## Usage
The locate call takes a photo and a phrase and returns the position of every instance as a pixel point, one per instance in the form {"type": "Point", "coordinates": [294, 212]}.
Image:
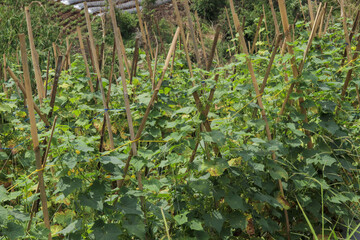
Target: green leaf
{"type": "Point", "coordinates": [14, 231]}
{"type": "Point", "coordinates": [235, 202]}
{"type": "Point", "coordinates": [134, 225]}
{"type": "Point", "coordinates": [202, 186]}
{"type": "Point", "coordinates": [325, 160]}
{"type": "Point", "coordinates": [193, 89]}
{"type": "Point", "coordinates": [181, 218]}
{"type": "Point", "coordinates": [129, 205]}
{"type": "Point", "coordinates": [3, 215]}
{"type": "Point", "coordinates": [72, 227]}
{"type": "Point", "coordinates": [277, 172]}
{"type": "Point", "coordinates": [19, 215]}
{"type": "Point", "coordinates": [214, 220]}
{"type": "Point", "coordinates": [196, 225]}
{"type": "Point", "coordinates": [68, 185]}
{"type": "Point", "coordinates": [3, 156]}
{"type": "Point", "coordinates": [237, 220]}
{"type": "Point", "coordinates": [330, 126]}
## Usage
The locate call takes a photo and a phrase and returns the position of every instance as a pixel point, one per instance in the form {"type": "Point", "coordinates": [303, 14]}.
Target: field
{"type": "Point", "coordinates": [197, 134]}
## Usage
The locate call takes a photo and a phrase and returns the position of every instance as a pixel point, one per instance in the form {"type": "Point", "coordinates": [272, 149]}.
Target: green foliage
{"type": "Point", "coordinates": [127, 23]}
{"type": "Point", "coordinates": [208, 9]}
{"type": "Point", "coordinates": [232, 196]}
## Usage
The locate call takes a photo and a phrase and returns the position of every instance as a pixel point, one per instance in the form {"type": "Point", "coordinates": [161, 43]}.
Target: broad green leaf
{"type": "Point", "coordinates": [277, 172]}
{"type": "Point", "coordinates": [72, 227]}
{"type": "Point", "coordinates": [196, 225]}
{"type": "Point", "coordinates": [214, 220]}
{"type": "Point", "coordinates": [134, 225]}
{"type": "Point", "coordinates": [181, 218]}
{"type": "Point", "coordinates": [330, 126]}
{"type": "Point", "coordinates": [3, 215]}
{"type": "Point", "coordinates": [14, 231]}
{"type": "Point", "coordinates": [68, 185]}
{"type": "Point", "coordinates": [235, 202]}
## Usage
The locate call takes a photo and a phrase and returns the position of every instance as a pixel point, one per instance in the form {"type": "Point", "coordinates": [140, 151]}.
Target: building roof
{"type": "Point", "coordinates": [99, 7]}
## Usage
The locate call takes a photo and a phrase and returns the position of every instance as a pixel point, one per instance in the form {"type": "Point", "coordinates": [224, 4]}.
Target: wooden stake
{"type": "Point", "coordinates": [123, 51]}
{"type": "Point", "coordinates": [55, 85]}
{"type": "Point", "coordinates": [231, 31]}
{"type": "Point", "coordinates": [34, 56]}
{"type": "Point", "coordinates": [302, 11]}
{"type": "Point", "coordinates": [211, 57]}
{"type": "Point", "coordinates": [34, 133]}
{"type": "Point", "coordinates": [148, 40]}
{"type": "Point", "coordinates": [311, 12]}
{"type": "Point", "coordinates": [348, 43]}
{"type": "Point", "coordinates": [135, 59]}
{"type": "Point", "coordinates": [276, 24]}
{"type": "Point", "coordinates": [5, 76]}
{"type": "Point", "coordinates": [55, 53]}
{"type": "Point", "coordinates": [97, 69]}
{"type": "Point", "coordinates": [152, 100]}
{"type": "Point", "coordinates": [47, 73]}
{"type": "Point", "coordinates": [328, 20]}
{"type": "Point", "coordinates": [201, 36]}
{"type": "Point", "coordinates": [68, 63]}
{"type": "Point", "coordinates": [195, 94]}
{"type": "Point", "coordinates": [144, 41]}
{"type": "Point", "coordinates": [266, 27]}
{"type": "Point", "coordinates": [256, 34]}
{"type": "Point", "coordinates": [36, 203]}
{"type": "Point", "coordinates": [192, 31]}
{"type": "Point", "coordinates": [82, 49]}
{"type": "Point", "coordinates": [22, 88]}
{"type": "Point", "coordinates": [352, 33]}
{"type": "Point", "coordinates": [259, 99]}
{"type": "Point", "coordinates": [349, 74]}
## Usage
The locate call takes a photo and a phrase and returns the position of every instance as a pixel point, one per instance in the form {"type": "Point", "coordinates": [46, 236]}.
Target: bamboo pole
{"type": "Point", "coordinates": [349, 74]}
{"type": "Point", "coordinates": [47, 73]}
{"type": "Point", "coordinates": [328, 20]}
{"type": "Point", "coordinates": [148, 40]}
{"type": "Point", "coordinates": [230, 27]}
{"type": "Point", "coordinates": [192, 31]}
{"type": "Point", "coordinates": [82, 49]}
{"type": "Point", "coordinates": [34, 133]}
{"type": "Point", "coordinates": [23, 90]}
{"type": "Point", "coordinates": [35, 60]}
{"type": "Point", "coordinates": [36, 202]}
{"type": "Point", "coordinates": [211, 57]}
{"type": "Point", "coordinates": [151, 102]}
{"type": "Point", "coordinates": [97, 69]}
{"type": "Point", "coordinates": [135, 58]}
{"type": "Point", "coordinates": [68, 63]}
{"type": "Point", "coordinates": [256, 34]}
{"type": "Point", "coordinates": [311, 12]}
{"type": "Point", "coordinates": [259, 99]}
{"type": "Point", "coordinates": [195, 94]}
{"type": "Point", "coordinates": [352, 33]}
{"type": "Point", "coordinates": [276, 24]}
{"type": "Point", "coordinates": [55, 85]}
{"type": "Point", "coordinates": [266, 26]}
{"type": "Point", "coordinates": [201, 36]}
{"type": "Point", "coordinates": [146, 47]}
{"type": "Point", "coordinates": [5, 76]}
{"type": "Point", "coordinates": [347, 39]}
{"type": "Point", "coordinates": [302, 11]}
{"type": "Point", "coordinates": [55, 53]}
{"type": "Point", "coordinates": [156, 60]}
{"type": "Point", "coordinates": [123, 51]}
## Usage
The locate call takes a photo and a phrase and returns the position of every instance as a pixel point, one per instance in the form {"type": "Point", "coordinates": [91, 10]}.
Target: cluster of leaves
{"type": "Point", "coordinates": [232, 196]}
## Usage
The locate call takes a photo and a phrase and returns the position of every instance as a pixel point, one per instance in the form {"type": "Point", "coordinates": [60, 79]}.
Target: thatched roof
{"type": "Point", "coordinates": [97, 7]}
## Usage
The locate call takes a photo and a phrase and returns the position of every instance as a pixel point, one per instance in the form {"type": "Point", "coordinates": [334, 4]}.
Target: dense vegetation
{"type": "Point", "coordinates": [230, 194]}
